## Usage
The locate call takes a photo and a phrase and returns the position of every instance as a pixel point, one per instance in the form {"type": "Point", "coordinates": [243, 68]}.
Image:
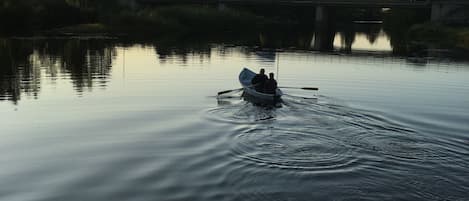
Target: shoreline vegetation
{"type": "Point", "coordinates": [412, 32]}
{"type": "Point", "coordinates": [406, 27]}
{"type": "Point", "coordinates": [57, 17]}
{"type": "Point", "coordinates": [440, 36]}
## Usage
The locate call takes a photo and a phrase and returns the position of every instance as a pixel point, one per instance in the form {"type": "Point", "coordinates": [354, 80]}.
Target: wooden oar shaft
{"type": "Point", "coordinates": [304, 88]}
{"type": "Point", "coordinates": [228, 91]}
{"type": "Point", "coordinates": [310, 88]}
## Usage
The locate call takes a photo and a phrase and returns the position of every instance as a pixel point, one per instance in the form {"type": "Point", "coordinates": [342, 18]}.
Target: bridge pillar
{"type": "Point", "coordinates": [323, 33]}
{"type": "Point", "coordinates": [441, 11]}
{"type": "Point", "coordinates": [221, 6]}
{"type": "Point", "coordinates": [321, 14]}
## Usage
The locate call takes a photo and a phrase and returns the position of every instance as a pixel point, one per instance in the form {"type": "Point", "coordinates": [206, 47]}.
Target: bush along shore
{"type": "Point", "coordinates": [440, 36]}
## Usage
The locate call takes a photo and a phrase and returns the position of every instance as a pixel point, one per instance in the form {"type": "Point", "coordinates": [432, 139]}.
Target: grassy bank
{"type": "Point", "coordinates": [440, 36]}
{"type": "Point", "coordinates": [79, 29]}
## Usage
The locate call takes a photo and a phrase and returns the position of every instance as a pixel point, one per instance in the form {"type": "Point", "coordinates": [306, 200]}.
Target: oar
{"type": "Point", "coordinates": [304, 88]}
{"type": "Point", "coordinates": [228, 91]}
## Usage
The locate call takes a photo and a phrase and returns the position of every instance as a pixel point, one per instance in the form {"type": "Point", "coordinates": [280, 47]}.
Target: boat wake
{"type": "Point", "coordinates": [321, 139]}
{"type": "Point", "coordinates": [317, 134]}
{"type": "Point", "coordinates": [233, 109]}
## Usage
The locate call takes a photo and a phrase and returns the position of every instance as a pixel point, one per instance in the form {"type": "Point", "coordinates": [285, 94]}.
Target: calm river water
{"type": "Point", "coordinates": [96, 119]}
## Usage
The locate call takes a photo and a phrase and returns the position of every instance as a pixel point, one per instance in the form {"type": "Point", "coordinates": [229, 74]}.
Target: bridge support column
{"type": "Point", "coordinates": [323, 33]}
{"type": "Point", "coordinates": [221, 6]}
{"type": "Point", "coordinates": [321, 14]}
{"type": "Point", "coordinates": [440, 11]}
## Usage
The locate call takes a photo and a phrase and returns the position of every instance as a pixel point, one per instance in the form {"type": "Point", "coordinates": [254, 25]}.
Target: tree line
{"type": "Point", "coordinates": [26, 16]}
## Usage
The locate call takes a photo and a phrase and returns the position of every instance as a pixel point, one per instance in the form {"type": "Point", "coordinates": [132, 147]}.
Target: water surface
{"type": "Point", "coordinates": [96, 119]}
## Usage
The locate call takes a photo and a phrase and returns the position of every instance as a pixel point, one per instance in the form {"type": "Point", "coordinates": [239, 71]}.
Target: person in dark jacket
{"type": "Point", "coordinates": [259, 80]}
{"type": "Point", "coordinates": [270, 84]}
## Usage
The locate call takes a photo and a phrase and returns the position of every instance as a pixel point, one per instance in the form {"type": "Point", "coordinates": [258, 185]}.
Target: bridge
{"type": "Point", "coordinates": [439, 8]}
{"type": "Point", "coordinates": [380, 3]}
{"type": "Point", "coordinates": [373, 3]}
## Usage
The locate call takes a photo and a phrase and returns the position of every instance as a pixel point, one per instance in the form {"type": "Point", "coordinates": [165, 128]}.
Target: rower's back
{"type": "Point", "coordinates": [270, 84]}
{"type": "Point", "coordinates": [259, 81]}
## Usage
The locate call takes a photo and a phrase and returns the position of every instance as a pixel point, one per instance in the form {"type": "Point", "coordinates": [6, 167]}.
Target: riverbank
{"type": "Point", "coordinates": [440, 36]}
{"type": "Point", "coordinates": [173, 20]}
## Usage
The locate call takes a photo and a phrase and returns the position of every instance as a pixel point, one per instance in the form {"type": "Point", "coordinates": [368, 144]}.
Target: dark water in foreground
{"type": "Point", "coordinates": [104, 122]}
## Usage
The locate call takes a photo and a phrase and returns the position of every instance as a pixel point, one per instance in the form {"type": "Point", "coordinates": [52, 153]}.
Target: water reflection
{"type": "Point", "coordinates": [23, 63]}
{"type": "Point", "coordinates": [375, 40]}
{"type": "Point", "coordinates": [162, 136]}
{"type": "Point", "coordinates": [181, 50]}
{"type": "Point", "coordinates": [26, 63]}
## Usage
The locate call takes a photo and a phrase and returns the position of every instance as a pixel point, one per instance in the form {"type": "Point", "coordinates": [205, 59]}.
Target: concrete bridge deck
{"type": "Point", "coordinates": [439, 8]}
{"type": "Point", "coordinates": [384, 3]}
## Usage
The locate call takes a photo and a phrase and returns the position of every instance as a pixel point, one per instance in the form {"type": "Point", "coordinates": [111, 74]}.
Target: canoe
{"type": "Point", "coordinates": [245, 77]}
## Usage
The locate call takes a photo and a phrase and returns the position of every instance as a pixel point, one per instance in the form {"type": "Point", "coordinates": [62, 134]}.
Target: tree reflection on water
{"type": "Point", "coordinates": [24, 62]}
{"type": "Point", "coordinates": [87, 61]}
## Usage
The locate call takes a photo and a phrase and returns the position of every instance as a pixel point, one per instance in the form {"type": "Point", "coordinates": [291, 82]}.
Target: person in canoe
{"type": "Point", "coordinates": [270, 84]}
{"type": "Point", "coordinates": [259, 81]}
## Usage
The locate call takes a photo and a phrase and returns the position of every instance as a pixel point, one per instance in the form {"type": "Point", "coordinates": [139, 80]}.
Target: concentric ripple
{"type": "Point", "coordinates": [292, 149]}
{"type": "Point", "coordinates": [385, 139]}
{"type": "Point", "coordinates": [318, 135]}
